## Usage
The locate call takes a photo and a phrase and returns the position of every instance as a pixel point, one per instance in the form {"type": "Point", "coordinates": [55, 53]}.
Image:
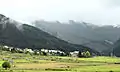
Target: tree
{"type": "Point", "coordinates": [44, 53]}
{"type": "Point", "coordinates": [83, 54]}
{"type": "Point", "coordinates": [80, 54]}
{"type": "Point", "coordinates": [36, 53]}
{"type": "Point", "coordinates": [87, 54]}
{"type": "Point", "coordinates": [13, 50]}
{"type": "Point", "coordinates": [6, 65]}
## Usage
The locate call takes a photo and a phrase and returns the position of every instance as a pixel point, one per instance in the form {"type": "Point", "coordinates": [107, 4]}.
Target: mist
{"type": "Point", "coordinates": [103, 12]}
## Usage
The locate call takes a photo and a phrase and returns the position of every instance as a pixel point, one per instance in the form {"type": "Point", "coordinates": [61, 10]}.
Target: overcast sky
{"type": "Point", "coordinates": [92, 11]}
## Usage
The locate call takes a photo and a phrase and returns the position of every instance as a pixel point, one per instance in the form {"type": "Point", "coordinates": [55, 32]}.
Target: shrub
{"type": "Point", "coordinates": [87, 54]}
{"type": "Point", "coordinates": [6, 65]}
{"type": "Point", "coordinates": [11, 71]}
{"type": "Point", "coordinates": [57, 69]}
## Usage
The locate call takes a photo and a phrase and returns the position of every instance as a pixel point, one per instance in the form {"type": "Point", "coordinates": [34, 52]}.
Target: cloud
{"type": "Point", "coordinates": [114, 2]}
{"type": "Point", "coordinates": [93, 11]}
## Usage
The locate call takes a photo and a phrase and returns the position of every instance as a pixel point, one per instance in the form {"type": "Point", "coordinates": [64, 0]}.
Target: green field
{"type": "Point", "coordinates": [36, 63]}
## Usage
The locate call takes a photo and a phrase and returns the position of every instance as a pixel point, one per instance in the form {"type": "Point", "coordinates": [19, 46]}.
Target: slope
{"type": "Point", "coordinates": [100, 38]}
{"type": "Point", "coordinates": [15, 34]}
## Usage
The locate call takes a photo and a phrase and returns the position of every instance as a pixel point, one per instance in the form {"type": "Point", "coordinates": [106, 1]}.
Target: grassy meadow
{"type": "Point", "coordinates": [36, 63]}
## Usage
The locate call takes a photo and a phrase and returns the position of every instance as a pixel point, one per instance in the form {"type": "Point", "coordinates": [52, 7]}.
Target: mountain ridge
{"type": "Point", "coordinates": [94, 36]}
{"type": "Point", "coordinates": [15, 34]}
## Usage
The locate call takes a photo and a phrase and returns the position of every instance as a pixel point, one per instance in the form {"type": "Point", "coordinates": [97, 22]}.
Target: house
{"type": "Point", "coordinates": [74, 54]}
{"type": "Point", "coordinates": [28, 50]}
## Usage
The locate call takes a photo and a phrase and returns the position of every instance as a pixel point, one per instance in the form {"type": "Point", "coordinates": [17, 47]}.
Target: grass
{"type": "Point", "coordinates": [103, 68]}
{"type": "Point", "coordinates": [101, 59]}
{"type": "Point", "coordinates": [27, 63]}
{"type": "Point", "coordinates": [1, 62]}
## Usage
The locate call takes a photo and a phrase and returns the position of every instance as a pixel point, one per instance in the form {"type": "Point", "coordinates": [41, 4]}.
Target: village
{"type": "Point", "coordinates": [46, 52]}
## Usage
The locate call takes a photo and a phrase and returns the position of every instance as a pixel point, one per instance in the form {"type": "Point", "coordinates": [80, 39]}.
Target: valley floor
{"type": "Point", "coordinates": [36, 63]}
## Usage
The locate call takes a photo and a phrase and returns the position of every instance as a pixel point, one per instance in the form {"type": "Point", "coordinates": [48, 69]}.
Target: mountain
{"type": "Point", "coordinates": [100, 38]}
{"type": "Point", "coordinates": [116, 49]}
{"type": "Point", "coordinates": [15, 34]}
